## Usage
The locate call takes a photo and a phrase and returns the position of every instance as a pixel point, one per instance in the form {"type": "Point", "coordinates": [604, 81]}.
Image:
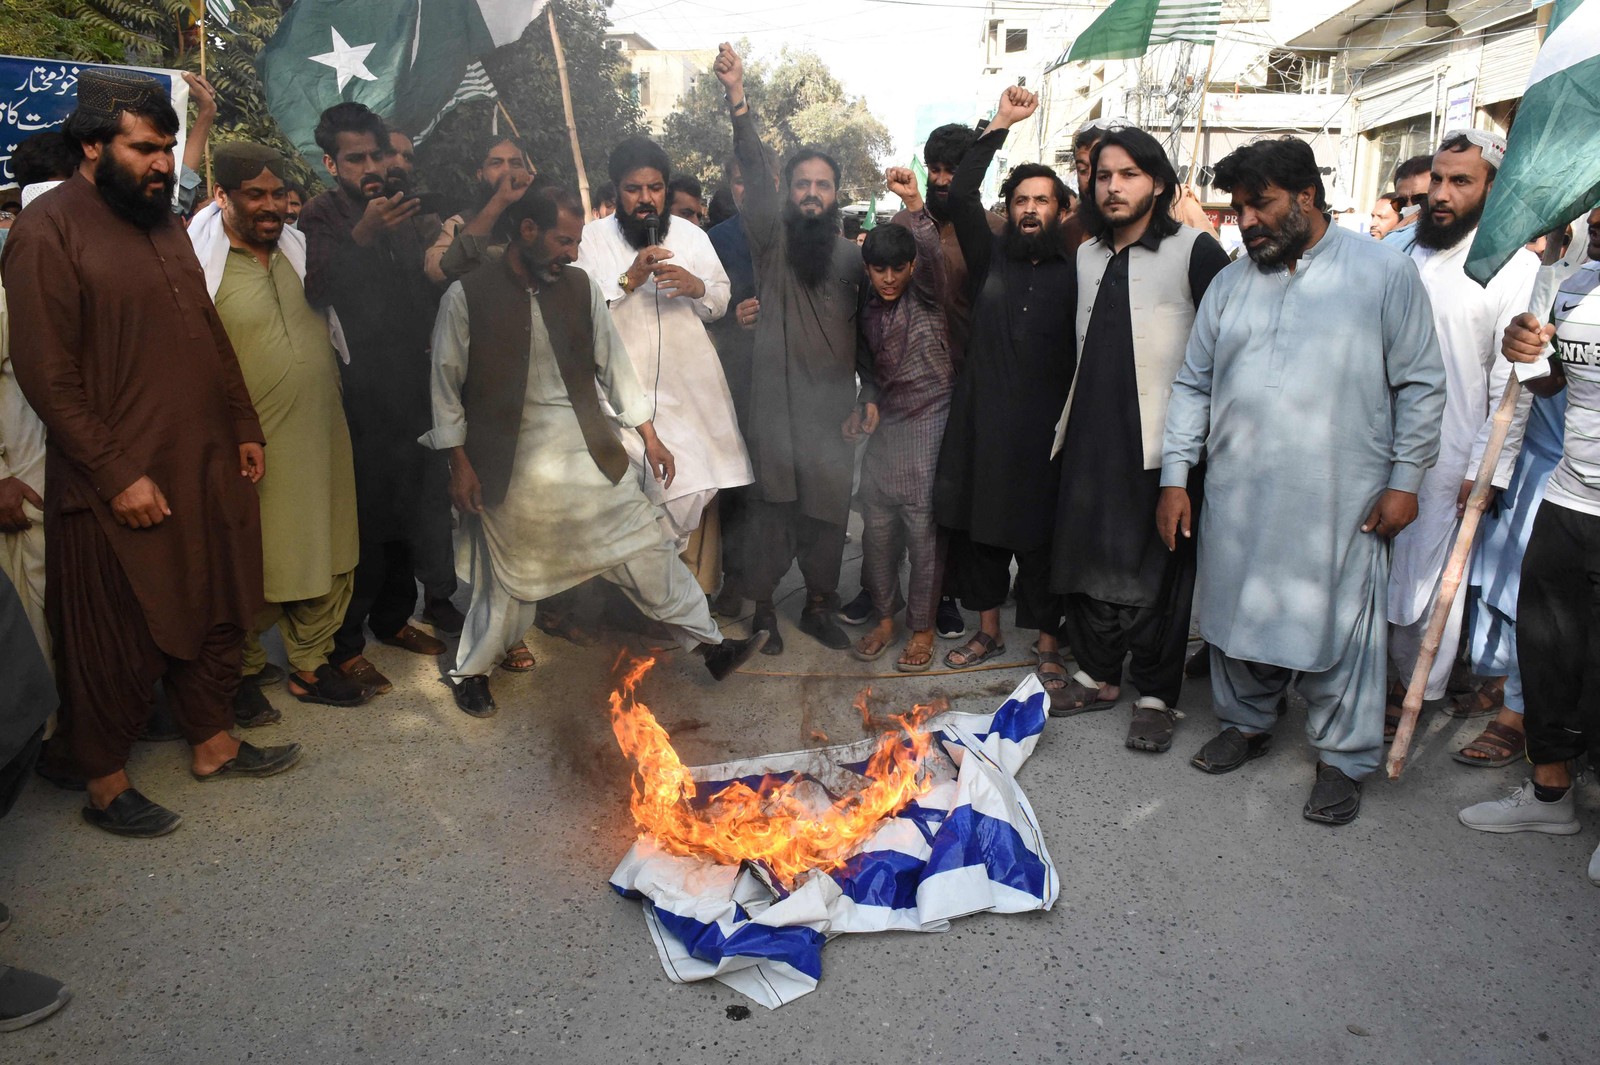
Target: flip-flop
{"type": "Point", "coordinates": [990, 648]}
{"type": "Point", "coordinates": [861, 655]}
{"type": "Point", "coordinates": [901, 665]}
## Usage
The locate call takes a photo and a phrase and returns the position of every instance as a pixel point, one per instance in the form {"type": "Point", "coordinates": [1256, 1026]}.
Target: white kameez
{"type": "Point", "coordinates": [686, 395]}
{"type": "Point", "coordinates": [562, 520]}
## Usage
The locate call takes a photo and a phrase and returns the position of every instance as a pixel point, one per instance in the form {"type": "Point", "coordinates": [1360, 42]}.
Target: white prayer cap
{"type": "Point", "coordinates": [34, 191]}
{"type": "Point", "coordinates": [1492, 145]}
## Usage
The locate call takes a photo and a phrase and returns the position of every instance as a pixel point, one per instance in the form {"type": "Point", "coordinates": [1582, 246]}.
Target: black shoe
{"type": "Point", "coordinates": [950, 623]}
{"type": "Point", "coordinates": [131, 814]}
{"type": "Point", "coordinates": [1230, 749]}
{"type": "Point", "coordinates": [1199, 663]}
{"type": "Point", "coordinates": [1335, 798]}
{"type": "Point", "coordinates": [270, 674]}
{"type": "Point", "coordinates": [444, 617]}
{"type": "Point", "coordinates": [26, 998]}
{"type": "Point", "coordinates": [473, 696]}
{"type": "Point", "coordinates": [726, 657]}
{"type": "Point", "coordinates": [817, 622]}
{"type": "Point", "coordinates": [251, 709]}
{"type": "Point", "coordinates": [857, 611]}
{"type": "Point", "coordinates": [332, 687]}
{"type": "Point", "coordinates": [766, 620]}
{"type": "Point", "coordinates": [253, 761]}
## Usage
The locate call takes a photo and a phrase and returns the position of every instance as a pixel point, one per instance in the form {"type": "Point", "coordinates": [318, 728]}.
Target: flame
{"type": "Point", "coordinates": [770, 825]}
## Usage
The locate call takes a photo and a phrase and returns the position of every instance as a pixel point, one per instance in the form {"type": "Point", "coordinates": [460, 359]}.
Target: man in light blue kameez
{"type": "Point", "coordinates": [1313, 389]}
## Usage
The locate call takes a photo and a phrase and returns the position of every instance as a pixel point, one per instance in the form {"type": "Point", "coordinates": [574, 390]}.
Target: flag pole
{"type": "Point", "coordinates": [1200, 118]}
{"type": "Point", "coordinates": [566, 105]}
{"type": "Point", "coordinates": [501, 105]}
{"type": "Point", "coordinates": [202, 21]}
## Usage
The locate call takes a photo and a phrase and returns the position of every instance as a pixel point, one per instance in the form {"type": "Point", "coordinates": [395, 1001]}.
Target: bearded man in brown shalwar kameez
{"type": "Point", "coordinates": [152, 534]}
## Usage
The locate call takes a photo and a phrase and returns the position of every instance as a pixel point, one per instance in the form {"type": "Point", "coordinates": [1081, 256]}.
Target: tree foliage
{"type": "Point", "coordinates": [798, 102]}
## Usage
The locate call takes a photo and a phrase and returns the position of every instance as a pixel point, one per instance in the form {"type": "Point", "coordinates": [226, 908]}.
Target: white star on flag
{"type": "Point", "coordinates": [347, 60]}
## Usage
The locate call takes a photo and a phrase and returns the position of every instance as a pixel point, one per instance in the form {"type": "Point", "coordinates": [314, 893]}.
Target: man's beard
{"type": "Point", "coordinates": [396, 180]}
{"type": "Point", "coordinates": [636, 228]}
{"type": "Point", "coordinates": [1281, 247]}
{"type": "Point", "coordinates": [127, 196]}
{"type": "Point", "coordinates": [1437, 236]}
{"type": "Point", "coordinates": [245, 225]}
{"type": "Point", "coordinates": [355, 191]}
{"type": "Point", "coordinates": [1139, 210]}
{"type": "Point", "coordinates": [810, 242]}
{"type": "Point", "coordinates": [938, 202]}
{"type": "Point", "coordinates": [539, 266]}
{"type": "Point", "coordinates": [1032, 247]}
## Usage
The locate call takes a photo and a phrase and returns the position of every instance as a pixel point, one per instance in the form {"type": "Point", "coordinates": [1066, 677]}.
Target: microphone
{"type": "Point", "coordinates": [653, 231]}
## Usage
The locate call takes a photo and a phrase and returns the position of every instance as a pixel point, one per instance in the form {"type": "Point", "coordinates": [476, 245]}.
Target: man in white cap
{"type": "Point", "coordinates": [1468, 319]}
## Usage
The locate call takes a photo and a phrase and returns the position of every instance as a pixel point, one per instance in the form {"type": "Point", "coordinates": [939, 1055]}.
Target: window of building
{"type": "Point", "coordinates": [1016, 40]}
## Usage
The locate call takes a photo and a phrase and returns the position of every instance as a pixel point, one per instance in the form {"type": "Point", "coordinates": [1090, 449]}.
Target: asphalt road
{"type": "Point", "coordinates": [427, 887]}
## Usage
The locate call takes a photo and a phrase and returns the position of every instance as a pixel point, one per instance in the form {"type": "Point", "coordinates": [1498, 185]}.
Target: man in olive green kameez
{"type": "Point", "coordinates": [254, 268]}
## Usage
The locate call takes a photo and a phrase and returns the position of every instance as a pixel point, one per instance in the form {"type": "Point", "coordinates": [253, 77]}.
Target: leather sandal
{"type": "Point", "coordinates": [331, 687]}
{"type": "Point", "coordinates": [413, 639]}
{"type": "Point", "coordinates": [1488, 698]}
{"type": "Point", "coordinates": [987, 647]}
{"type": "Point", "coordinates": [253, 761]}
{"type": "Point", "coordinates": [1500, 745]}
{"type": "Point", "coordinates": [1335, 798]}
{"type": "Point", "coordinates": [1075, 697]}
{"type": "Point", "coordinates": [364, 672]}
{"type": "Point", "coordinates": [1230, 749]}
{"type": "Point", "coordinates": [519, 659]}
{"type": "Point", "coordinates": [1152, 727]}
{"type": "Point", "coordinates": [131, 814]}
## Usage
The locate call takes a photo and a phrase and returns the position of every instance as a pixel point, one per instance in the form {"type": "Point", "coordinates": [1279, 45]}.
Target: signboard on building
{"type": "Point", "coordinates": [1458, 106]}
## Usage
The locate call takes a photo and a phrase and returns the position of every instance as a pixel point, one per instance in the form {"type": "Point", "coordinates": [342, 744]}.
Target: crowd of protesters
{"type": "Point", "coordinates": [345, 418]}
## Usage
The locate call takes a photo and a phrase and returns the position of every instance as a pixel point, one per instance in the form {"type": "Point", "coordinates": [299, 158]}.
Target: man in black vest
{"type": "Point", "coordinates": [537, 469]}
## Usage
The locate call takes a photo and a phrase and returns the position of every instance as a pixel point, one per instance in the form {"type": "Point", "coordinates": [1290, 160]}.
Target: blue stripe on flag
{"type": "Point", "coordinates": [796, 946]}
{"type": "Point", "coordinates": [881, 878]}
{"type": "Point", "coordinates": [1017, 721]}
{"type": "Point", "coordinates": [970, 838]}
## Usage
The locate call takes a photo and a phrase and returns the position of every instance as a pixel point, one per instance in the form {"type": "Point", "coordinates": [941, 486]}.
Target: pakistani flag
{"type": "Point", "coordinates": [406, 61]}
{"type": "Point", "coordinates": [1551, 172]}
{"type": "Point", "coordinates": [1127, 28]}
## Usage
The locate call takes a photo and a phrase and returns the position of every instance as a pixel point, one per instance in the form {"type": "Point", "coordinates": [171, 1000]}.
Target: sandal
{"type": "Point", "coordinates": [872, 646]}
{"type": "Point", "coordinates": [917, 656]}
{"type": "Point", "coordinates": [564, 627]}
{"type": "Point", "coordinates": [1500, 745]}
{"type": "Point", "coordinates": [1075, 697]}
{"type": "Point", "coordinates": [519, 659]}
{"type": "Point", "coordinates": [1152, 727]}
{"type": "Point", "coordinates": [1051, 682]}
{"type": "Point", "coordinates": [1488, 698]}
{"type": "Point", "coordinates": [980, 648]}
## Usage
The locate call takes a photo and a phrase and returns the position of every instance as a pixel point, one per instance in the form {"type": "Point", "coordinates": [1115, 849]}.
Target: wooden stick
{"type": "Point", "coordinates": [566, 104]}
{"type": "Point", "coordinates": [1199, 120]}
{"type": "Point", "coordinates": [210, 189]}
{"type": "Point", "coordinates": [501, 104]}
{"type": "Point", "coordinates": [1455, 569]}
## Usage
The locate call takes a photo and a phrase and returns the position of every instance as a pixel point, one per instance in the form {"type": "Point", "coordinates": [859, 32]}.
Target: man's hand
{"type": "Point", "coordinates": [1466, 491]}
{"type": "Point", "coordinates": [1393, 512]}
{"type": "Point", "coordinates": [729, 69]}
{"type": "Point", "coordinates": [903, 183]}
{"type": "Point", "coordinates": [663, 467]}
{"type": "Point", "coordinates": [140, 505]}
{"type": "Point", "coordinates": [508, 190]}
{"type": "Point", "coordinates": [252, 462]}
{"type": "Point", "coordinates": [748, 313]}
{"type": "Point", "coordinates": [1524, 339]}
{"type": "Point", "coordinates": [204, 96]}
{"type": "Point", "coordinates": [674, 280]}
{"type": "Point", "coordinates": [863, 421]}
{"type": "Point", "coordinates": [1173, 515]}
{"type": "Point", "coordinates": [466, 494]}
{"type": "Point", "coordinates": [383, 215]}
{"type": "Point", "coordinates": [13, 492]}
{"type": "Point", "coordinates": [1016, 104]}
{"type": "Point", "coordinates": [645, 264]}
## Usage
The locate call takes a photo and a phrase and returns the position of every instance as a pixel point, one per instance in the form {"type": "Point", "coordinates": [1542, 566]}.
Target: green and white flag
{"type": "Point", "coordinates": [405, 60]}
{"type": "Point", "coordinates": [1127, 28]}
{"type": "Point", "coordinates": [1551, 172]}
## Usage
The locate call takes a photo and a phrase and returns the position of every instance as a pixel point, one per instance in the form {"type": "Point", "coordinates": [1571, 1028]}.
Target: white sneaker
{"type": "Point", "coordinates": [1594, 867]}
{"type": "Point", "coordinates": [1521, 811]}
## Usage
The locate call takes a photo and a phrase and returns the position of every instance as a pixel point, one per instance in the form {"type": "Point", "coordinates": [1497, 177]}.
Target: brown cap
{"type": "Point", "coordinates": [108, 93]}
{"type": "Point", "coordinates": [235, 162]}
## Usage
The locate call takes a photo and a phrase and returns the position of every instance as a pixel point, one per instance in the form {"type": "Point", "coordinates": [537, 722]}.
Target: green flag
{"type": "Point", "coordinates": [405, 61]}
{"type": "Point", "coordinates": [1127, 28]}
{"type": "Point", "coordinates": [870, 219]}
{"type": "Point", "coordinates": [1551, 172]}
{"type": "Point", "coordinates": [921, 172]}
